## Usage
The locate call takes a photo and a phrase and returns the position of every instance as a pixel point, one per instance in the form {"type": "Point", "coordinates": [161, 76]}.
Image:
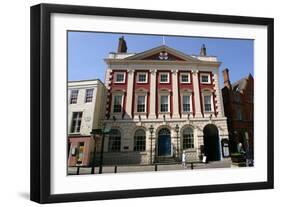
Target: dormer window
{"type": "Point", "coordinates": [164, 77]}
{"type": "Point", "coordinates": [120, 77]}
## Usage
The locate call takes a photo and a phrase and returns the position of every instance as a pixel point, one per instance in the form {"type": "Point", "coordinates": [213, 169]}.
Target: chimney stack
{"type": "Point", "coordinates": [122, 46]}
{"type": "Point", "coordinates": [203, 51]}
{"type": "Point", "coordinates": [226, 80]}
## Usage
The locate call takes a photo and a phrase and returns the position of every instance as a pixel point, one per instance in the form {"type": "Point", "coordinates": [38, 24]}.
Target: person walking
{"type": "Point", "coordinates": [183, 159]}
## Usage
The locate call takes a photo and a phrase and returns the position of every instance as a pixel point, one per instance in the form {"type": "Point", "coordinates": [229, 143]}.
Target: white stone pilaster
{"type": "Point", "coordinates": [175, 94]}
{"type": "Point", "coordinates": [152, 102]}
{"type": "Point", "coordinates": [129, 99]}
{"type": "Point", "coordinates": [218, 93]}
{"type": "Point", "coordinates": [197, 94]}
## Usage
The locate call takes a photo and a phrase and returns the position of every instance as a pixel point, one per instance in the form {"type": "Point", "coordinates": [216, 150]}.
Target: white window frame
{"type": "Point", "coordinates": [190, 102]}
{"type": "Point", "coordinates": [168, 77]}
{"type": "Point", "coordinates": [72, 117]}
{"type": "Point", "coordinates": [136, 103]}
{"type": "Point", "coordinates": [205, 74]}
{"type": "Point", "coordinates": [136, 147]}
{"type": "Point", "coordinates": [70, 95]}
{"type": "Point", "coordinates": [85, 99]}
{"type": "Point", "coordinates": [112, 102]}
{"type": "Point", "coordinates": [142, 73]}
{"type": "Point", "coordinates": [118, 73]}
{"type": "Point", "coordinates": [181, 74]}
{"type": "Point", "coordinates": [212, 103]}
{"type": "Point", "coordinates": [193, 138]}
{"type": "Point", "coordinates": [159, 103]}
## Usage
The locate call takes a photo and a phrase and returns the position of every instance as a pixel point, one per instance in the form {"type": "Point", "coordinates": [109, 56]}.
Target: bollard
{"type": "Point", "coordinates": [78, 170]}
{"type": "Point", "coordinates": [93, 170]}
{"type": "Point", "coordinates": [155, 167]}
{"type": "Point", "coordinates": [115, 169]}
{"type": "Point", "coordinates": [192, 166]}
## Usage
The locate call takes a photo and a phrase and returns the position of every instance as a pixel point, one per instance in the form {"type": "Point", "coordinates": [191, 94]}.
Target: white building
{"type": "Point", "coordinates": [85, 111]}
{"type": "Point", "coordinates": [176, 94]}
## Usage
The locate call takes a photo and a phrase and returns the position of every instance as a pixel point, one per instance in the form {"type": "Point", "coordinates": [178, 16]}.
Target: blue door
{"type": "Point", "coordinates": [164, 143]}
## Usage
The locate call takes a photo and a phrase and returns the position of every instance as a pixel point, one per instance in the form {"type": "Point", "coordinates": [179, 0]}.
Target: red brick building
{"type": "Point", "coordinates": [238, 100]}
{"type": "Point", "coordinates": [160, 103]}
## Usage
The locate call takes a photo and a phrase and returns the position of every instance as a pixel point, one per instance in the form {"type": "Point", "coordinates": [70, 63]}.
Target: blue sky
{"type": "Point", "coordinates": [86, 51]}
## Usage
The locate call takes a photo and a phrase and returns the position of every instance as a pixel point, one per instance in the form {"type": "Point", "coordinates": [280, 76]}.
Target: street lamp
{"type": "Point", "coordinates": [93, 135]}
{"type": "Point", "coordinates": [102, 146]}
{"type": "Point", "coordinates": [101, 132]}
{"type": "Point", "coordinates": [177, 129]}
{"type": "Point", "coordinates": [151, 129]}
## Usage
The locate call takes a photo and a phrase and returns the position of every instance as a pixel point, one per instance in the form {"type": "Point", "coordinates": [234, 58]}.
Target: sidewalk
{"type": "Point", "coordinates": [147, 168]}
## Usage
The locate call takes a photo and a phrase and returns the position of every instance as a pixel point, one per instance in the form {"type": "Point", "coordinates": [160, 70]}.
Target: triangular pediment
{"type": "Point", "coordinates": [163, 53]}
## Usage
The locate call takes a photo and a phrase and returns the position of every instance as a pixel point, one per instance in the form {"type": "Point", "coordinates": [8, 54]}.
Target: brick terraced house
{"type": "Point", "coordinates": [85, 111]}
{"type": "Point", "coordinates": [238, 101]}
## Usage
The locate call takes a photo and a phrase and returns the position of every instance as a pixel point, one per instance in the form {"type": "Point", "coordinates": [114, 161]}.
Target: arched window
{"type": "Point", "coordinates": [188, 140]}
{"type": "Point", "coordinates": [139, 140]}
{"type": "Point", "coordinates": [114, 142]}
{"type": "Point", "coordinates": [164, 131]}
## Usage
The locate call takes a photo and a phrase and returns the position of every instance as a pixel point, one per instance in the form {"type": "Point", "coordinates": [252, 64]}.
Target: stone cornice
{"type": "Point", "coordinates": [159, 62]}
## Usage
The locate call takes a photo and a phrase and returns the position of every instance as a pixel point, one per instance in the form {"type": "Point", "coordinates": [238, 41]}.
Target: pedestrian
{"type": "Point", "coordinates": [183, 159]}
{"type": "Point", "coordinates": [240, 148]}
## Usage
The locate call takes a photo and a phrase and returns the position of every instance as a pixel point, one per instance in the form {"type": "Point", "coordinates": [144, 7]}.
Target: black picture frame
{"type": "Point", "coordinates": [41, 95]}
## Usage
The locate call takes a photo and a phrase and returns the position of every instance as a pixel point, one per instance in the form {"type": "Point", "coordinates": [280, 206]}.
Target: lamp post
{"type": "Point", "coordinates": [102, 146]}
{"type": "Point", "coordinates": [177, 129]}
{"type": "Point", "coordinates": [151, 129]}
{"type": "Point", "coordinates": [93, 135]}
{"type": "Point", "coordinates": [101, 132]}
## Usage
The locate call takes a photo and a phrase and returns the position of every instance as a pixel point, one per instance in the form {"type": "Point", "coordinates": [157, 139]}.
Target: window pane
{"type": "Point", "coordinates": [207, 103]}
{"type": "Point", "coordinates": [89, 95]}
{"type": "Point", "coordinates": [164, 99]}
{"type": "Point", "coordinates": [141, 104]}
{"type": "Point", "coordinates": [164, 104]}
{"type": "Point", "coordinates": [76, 122]}
{"type": "Point", "coordinates": [139, 140]}
{"type": "Point", "coordinates": [205, 78]}
{"type": "Point", "coordinates": [114, 142]}
{"type": "Point", "coordinates": [184, 78]}
{"type": "Point", "coordinates": [117, 107]}
{"type": "Point", "coordinates": [186, 103]}
{"type": "Point", "coordinates": [142, 78]}
{"type": "Point", "coordinates": [80, 153]}
{"type": "Point", "coordinates": [73, 96]}
{"type": "Point", "coordinates": [164, 131]}
{"type": "Point", "coordinates": [119, 77]}
{"type": "Point", "coordinates": [164, 78]}
{"type": "Point", "coordinates": [188, 140]}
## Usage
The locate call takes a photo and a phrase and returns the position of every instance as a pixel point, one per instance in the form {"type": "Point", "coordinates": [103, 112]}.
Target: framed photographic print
{"type": "Point", "coordinates": [132, 103]}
